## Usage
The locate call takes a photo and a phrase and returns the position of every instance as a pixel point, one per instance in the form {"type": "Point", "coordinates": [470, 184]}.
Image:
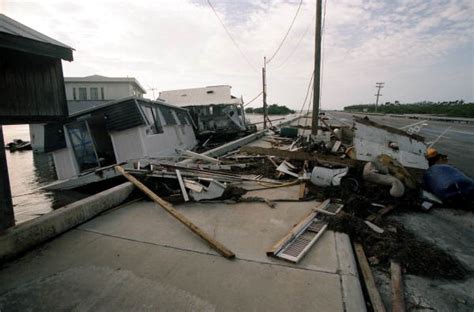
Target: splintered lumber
{"type": "Point", "coordinates": [396, 282]}
{"type": "Point", "coordinates": [220, 248]}
{"type": "Point", "coordinates": [372, 290]}
{"type": "Point", "coordinates": [299, 155]}
{"type": "Point", "coordinates": [194, 155]}
{"type": "Point", "coordinates": [302, 191]}
{"type": "Point", "coordinates": [182, 186]}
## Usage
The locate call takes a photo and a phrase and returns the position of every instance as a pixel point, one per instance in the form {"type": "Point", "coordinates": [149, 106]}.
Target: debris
{"type": "Point", "coordinates": [419, 257]}
{"type": "Point", "coordinates": [289, 132]}
{"type": "Point", "coordinates": [213, 191]}
{"type": "Point", "coordinates": [178, 215]}
{"type": "Point", "coordinates": [398, 297]}
{"type": "Point", "coordinates": [336, 146]}
{"type": "Point", "coordinates": [374, 227]}
{"type": "Point", "coordinates": [426, 205]}
{"type": "Point", "coordinates": [431, 197]}
{"type": "Point", "coordinates": [322, 176]}
{"type": "Point", "coordinates": [374, 295]}
{"type": "Point", "coordinates": [449, 183]}
{"type": "Point", "coordinates": [397, 170]}
{"type": "Point", "coordinates": [371, 174]}
{"type": "Point", "coordinates": [297, 242]}
{"type": "Point", "coordinates": [286, 167]}
{"type": "Point", "coordinates": [194, 186]}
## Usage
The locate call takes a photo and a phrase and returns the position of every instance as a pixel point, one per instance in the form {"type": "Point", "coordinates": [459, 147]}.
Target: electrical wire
{"type": "Point", "coordinates": [256, 97]}
{"type": "Point", "coordinates": [230, 35]}
{"type": "Point", "coordinates": [286, 35]}
{"type": "Point", "coordinates": [297, 45]}
{"type": "Point", "coordinates": [306, 97]}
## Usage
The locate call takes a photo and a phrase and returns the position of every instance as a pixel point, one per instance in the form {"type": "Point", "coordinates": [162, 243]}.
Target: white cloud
{"type": "Point", "coordinates": [410, 45]}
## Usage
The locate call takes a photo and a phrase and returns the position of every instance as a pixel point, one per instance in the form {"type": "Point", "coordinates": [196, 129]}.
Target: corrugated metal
{"type": "Point", "coordinates": [122, 116]}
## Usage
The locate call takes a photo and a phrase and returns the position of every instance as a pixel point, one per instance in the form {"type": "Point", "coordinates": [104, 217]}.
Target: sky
{"type": "Point", "coordinates": [422, 50]}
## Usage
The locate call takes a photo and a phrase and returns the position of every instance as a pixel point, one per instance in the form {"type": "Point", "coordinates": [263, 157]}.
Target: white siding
{"type": "Point", "coordinates": [112, 90]}
{"type": "Point", "coordinates": [37, 137]}
{"type": "Point", "coordinates": [65, 163]}
{"type": "Point", "coordinates": [128, 144]}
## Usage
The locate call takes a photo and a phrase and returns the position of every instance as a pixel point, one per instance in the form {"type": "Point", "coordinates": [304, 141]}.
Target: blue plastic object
{"type": "Point", "coordinates": [448, 183]}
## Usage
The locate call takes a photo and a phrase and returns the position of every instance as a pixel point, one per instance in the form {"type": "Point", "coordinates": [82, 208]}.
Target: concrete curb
{"type": "Point", "coordinates": [23, 237]}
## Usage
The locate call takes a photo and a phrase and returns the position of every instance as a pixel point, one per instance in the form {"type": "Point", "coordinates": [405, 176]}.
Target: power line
{"type": "Point", "coordinates": [256, 97]}
{"type": "Point", "coordinates": [230, 35]}
{"type": "Point", "coordinates": [297, 45]}
{"type": "Point", "coordinates": [286, 35]}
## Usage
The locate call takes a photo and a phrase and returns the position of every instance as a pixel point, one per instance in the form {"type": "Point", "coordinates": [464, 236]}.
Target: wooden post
{"type": "Point", "coordinates": [372, 290]}
{"type": "Point", "coordinates": [396, 282]}
{"type": "Point", "coordinates": [317, 69]}
{"type": "Point", "coordinates": [7, 216]}
{"type": "Point", "coordinates": [178, 215]}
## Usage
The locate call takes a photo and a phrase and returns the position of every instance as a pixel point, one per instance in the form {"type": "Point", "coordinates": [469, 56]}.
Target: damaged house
{"type": "Point", "coordinates": [119, 131]}
{"type": "Point", "coordinates": [214, 109]}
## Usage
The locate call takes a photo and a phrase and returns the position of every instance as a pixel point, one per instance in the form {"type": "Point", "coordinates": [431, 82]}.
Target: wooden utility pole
{"type": "Point", "coordinates": [317, 69]}
{"type": "Point", "coordinates": [264, 82]}
{"type": "Point", "coordinates": [378, 85]}
{"type": "Point", "coordinates": [7, 217]}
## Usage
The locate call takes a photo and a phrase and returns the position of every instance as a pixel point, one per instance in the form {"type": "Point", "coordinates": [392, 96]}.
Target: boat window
{"type": "Point", "coordinates": [152, 119]}
{"type": "Point", "coordinates": [182, 118]}
{"type": "Point", "coordinates": [83, 145]}
{"type": "Point", "coordinates": [168, 116]}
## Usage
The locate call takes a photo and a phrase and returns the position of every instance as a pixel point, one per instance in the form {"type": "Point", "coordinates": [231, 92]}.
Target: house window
{"type": "Point", "coordinates": [94, 94]}
{"type": "Point", "coordinates": [168, 116]}
{"type": "Point", "coordinates": [74, 94]}
{"type": "Point", "coordinates": [82, 93]}
{"type": "Point", "coordinates": [102, 93]}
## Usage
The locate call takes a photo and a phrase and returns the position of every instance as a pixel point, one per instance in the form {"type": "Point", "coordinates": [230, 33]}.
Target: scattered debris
{"type": "Point", "coordinates": [322, 176]}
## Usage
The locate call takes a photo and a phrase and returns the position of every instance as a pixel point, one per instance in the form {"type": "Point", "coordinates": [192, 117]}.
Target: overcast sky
{"type": "Point", "coordinates": [422, 50]}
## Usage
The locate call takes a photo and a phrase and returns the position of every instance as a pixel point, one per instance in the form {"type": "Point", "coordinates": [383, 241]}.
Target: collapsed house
{"type": "Point", "coordinates": [120, 131]}
{"type": "Point", "coordinates": [214, 109]}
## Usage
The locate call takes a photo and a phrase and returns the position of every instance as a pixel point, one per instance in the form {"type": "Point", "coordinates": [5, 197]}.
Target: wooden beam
{"type": "Point", "coordinates": [220, 248]}
{"type": "Point", "coordinates": [7, 217]}
{"type": "Point", "coordinates": [372, 290]}
{"type": "Point", "coordinates": [396, 282]}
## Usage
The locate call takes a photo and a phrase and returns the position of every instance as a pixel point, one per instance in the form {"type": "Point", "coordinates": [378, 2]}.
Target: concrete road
{"type": "Point", "coordinates": [452, 139]}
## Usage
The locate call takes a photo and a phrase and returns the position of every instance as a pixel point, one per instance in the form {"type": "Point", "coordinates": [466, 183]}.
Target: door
{"type": "Point", "coordinates": [83, 145]}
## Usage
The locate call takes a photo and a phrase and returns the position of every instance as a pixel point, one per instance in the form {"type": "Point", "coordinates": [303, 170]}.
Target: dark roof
{"type": "Point", "coordinates": [16, 36]}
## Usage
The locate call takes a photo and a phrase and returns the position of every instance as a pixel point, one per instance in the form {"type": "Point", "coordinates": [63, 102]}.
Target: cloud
{"type": "Point", "coordinates": [414, 46]}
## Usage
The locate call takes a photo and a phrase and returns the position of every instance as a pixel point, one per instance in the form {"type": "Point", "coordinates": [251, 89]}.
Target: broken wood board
{"type": "Point", "coordinates": [220, 248]}
{"type": "Point", "coordinates": [373, 292]}
{"type": "Point", "coordinates": [299, 155]}
{"type": "Point", "coordinates": [181, 185]}
{"type": "Point", "coordinates": [396, 282]}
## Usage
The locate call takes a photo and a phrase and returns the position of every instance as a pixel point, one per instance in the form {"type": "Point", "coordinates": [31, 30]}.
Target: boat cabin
{"type": "Point", "coordinates": [119, 131]}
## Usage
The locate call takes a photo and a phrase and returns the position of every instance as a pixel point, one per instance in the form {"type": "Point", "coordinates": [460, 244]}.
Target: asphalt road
{"type": "Point", "coordinates": [452, 139]}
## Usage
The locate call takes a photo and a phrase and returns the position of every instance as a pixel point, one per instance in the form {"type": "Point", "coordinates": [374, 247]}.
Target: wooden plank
{"type": "Point", "coordinates": [372, 290]}
{"type": "Point", "coordinates": [181, 185]}
{"type": "Point", "coordinates": [302, 192]}
{"type": "Point", "coordinates": [396, 282]}
{"type": "Point", "coordinates": [220, 248]}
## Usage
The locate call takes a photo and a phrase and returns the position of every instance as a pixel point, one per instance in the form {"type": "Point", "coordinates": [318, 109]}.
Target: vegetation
{"type": "Point", "coordinates": [449, 109]}
{"type": "Point", "coordinates": [273, 109]}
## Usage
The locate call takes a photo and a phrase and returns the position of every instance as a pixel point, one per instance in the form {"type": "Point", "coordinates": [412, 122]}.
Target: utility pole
{"type": "Point", "coordinates": [378, 85]}
{"type": "Point", "coordinates": [264, 82]}
{"type": "Point", "coordinates": [317, 69]}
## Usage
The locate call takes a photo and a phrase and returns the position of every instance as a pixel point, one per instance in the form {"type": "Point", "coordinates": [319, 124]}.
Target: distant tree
{"type": "Point", "coordinates": [273, 109]}
{"type": "Point", "coordinates": [249, 110]}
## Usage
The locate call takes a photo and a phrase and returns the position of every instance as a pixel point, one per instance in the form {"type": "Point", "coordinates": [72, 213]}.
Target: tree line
{"type": "Point", "coordinates": [273, 109]}
{"type": "Point", "coordinates": [449, 109]}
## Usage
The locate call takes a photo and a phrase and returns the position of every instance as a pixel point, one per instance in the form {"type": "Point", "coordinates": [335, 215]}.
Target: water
{"type": "Point", "coordinates": [29, 171]}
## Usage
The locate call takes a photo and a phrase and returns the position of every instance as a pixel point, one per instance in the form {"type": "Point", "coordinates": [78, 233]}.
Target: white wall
{"type": "Point", "coordinates": [128, 144]}
{"type": "Point", "coordinates": [65, 163]}
{"type": "Point", "coordinates": [37, 137]}
{"type": "Point", "coordinates": [112, 90]}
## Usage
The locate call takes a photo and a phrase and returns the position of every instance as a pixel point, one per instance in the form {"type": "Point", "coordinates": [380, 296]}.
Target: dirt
{"type": "Point", "coordinates": [418, 257]}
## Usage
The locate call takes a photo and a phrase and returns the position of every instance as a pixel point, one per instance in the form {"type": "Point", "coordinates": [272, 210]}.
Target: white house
{"type": "Point", "coordinates": [214, 109]}
{"type": "Point", "coordinates": [87, 92]}
{"type": "Point", "coordinates": [119, 131]}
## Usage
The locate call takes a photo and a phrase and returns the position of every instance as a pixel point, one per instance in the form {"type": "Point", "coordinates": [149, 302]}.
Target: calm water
{"type": "Point", "coordinates": [29, 171]}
